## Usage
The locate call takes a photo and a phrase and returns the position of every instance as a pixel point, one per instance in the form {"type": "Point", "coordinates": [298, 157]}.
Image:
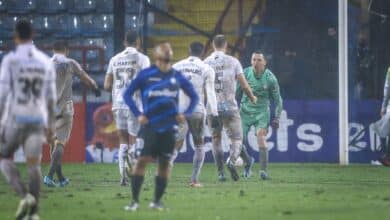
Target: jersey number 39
{"type": "Point", "coordinates": [30, 88]}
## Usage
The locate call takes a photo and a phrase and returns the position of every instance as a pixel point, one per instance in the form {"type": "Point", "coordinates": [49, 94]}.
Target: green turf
{"type": "Point", "coordinates": [296, 191]}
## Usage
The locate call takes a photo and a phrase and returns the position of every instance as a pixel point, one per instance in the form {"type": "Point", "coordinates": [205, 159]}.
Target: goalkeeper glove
{"type": "Point", "coordinates": [97, 92]}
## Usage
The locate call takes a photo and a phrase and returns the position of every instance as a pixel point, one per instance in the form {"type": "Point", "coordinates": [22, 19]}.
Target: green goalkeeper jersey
{"type": "Point", "coordinates": [265, 87]}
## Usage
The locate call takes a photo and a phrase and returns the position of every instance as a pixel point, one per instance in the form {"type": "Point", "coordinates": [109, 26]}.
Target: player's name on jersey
{"type": "Point", "coordinates": [164, 92]}
{"type": "Point", "coordinates": [191, 70]}
{"type": "Point", "coordinates": [124, 63]}
{"type": "Point", "coordinates": [32, 70]}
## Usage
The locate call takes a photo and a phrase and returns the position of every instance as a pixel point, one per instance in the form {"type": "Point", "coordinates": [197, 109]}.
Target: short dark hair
{"type": "Point", "coordinates": [196, 49]}
{"type": "Point", "coordinates": [258, 52]}
{"type": "Point", "coordinates": [219, 41]}
{"type": "Point", "coordinates": [131, 37]}
{"type": "Point", "coordinates": [24, 30]}
{"type": "Point", "coordinates": [60, 45]}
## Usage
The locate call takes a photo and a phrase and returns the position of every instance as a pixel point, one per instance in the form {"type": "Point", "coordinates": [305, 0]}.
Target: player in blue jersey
{"type": "Point", "coordinates": [159, 87]}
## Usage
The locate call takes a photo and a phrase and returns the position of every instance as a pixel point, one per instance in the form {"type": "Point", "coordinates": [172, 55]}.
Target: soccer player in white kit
{"type": "Point", "coordinates": [202, 77]}
{"type": "Point", "coordinates": [228, 71]}
{"type": "Point", "coordinates": [122, 69]}
{"type": "Point", "coordinates": [65, 69]}
{"type": "Point", "coordinates": [27, 102]}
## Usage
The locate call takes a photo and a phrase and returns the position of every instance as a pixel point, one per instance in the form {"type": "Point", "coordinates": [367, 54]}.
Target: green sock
{"type": "Point", "coordinates": [263, 158]}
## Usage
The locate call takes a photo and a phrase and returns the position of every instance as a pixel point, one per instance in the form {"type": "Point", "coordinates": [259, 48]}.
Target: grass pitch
{"type": "Point", "coordinates": [296, 191]}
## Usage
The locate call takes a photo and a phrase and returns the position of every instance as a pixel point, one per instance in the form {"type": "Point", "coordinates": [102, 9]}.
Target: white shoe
{"type": "Point", "coordinates": [132, 207]}
{"type": "Point", "coordinates": [157, 206]}
{"type": "Point", "coordinates": [32, 217]}
{"type": "Point", "coordinates": [24, 207]}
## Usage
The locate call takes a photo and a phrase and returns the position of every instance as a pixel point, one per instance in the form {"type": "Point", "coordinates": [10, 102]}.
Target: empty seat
{"type": "Point", "coordinates": [81, 6]}
{"type": "Point", "coordinates": [76, 41]}
{"type": "Point", "coordinates": [3, 6]}
{"type": "Point", "coordinates": [76, 54]}
{"type": "Point", "coordinates": [21, 6]}
{"type": "Point", "coordinates": [93, 54]}
{"type": "Point", "coordinates": [5, 47]}
{"type": "Point", "coordinates": [66, 26]}
{"type": "Point", "coordinates": [41, 24]}
{"type": "Point", "coordinates": [104, 6]}
{"type": "Point", "coordinates": [132, 21]}
{"type": "Point", "coordinates": [7, 23]}
{"type": "Point", "coordinates": [51, 6]}
{"type": "Point", "coordinates": [94, 25]}
{"type": "Point", "coordinates": [105, 22]}
{"type": "Point", "coordinates": [108, 48]}
{"type": "Point", "coordinates": [93, 66]}
{"type": "Point", "coordinates": [132, 6]}
{"type": "Point", "coordinates": [46, 42]}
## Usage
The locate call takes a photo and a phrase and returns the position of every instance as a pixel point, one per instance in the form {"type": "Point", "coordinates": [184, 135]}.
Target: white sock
{"type": "Point", "coordinates": [197, 163]}
{"type": "Point", "coordinates": [122, 154]}
{"type": "Point", "coordinates": [174, 156]}
{"type": "Point", "coordinates": [132, 156]}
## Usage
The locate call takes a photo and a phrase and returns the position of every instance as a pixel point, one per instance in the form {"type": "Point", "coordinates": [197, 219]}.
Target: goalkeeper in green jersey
{"type": "Point", "coordinates": [265, 87]}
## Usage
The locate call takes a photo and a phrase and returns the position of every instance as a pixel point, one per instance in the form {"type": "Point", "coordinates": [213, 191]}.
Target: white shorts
{"type": "Point", "coordinates": [195, 123]}
{"type": "Point", "coordinates": [63, 127]}
{"type": "Point", "coordinates": [64, 122]}
{"type": "Point", "coordinates": [13, 135]}
{"type": "Point", "coordinates": [125, 120]}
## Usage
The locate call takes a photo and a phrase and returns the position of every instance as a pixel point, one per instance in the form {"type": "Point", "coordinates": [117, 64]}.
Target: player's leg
{"type": "Point", "coordinates": [217, 147]}
{"type": "Point", "coordinates": [63, 129]}
{"type": "Point", "coordinates": [196, 126]}
{"type": "Point", "coordinates": [138, 174]}
{"type": "Point", "coordinates": [263, 152]}
{"type": "Point", "coordinates": [248, 160]}
{"type": "Point", "coordinates": [179, 140]}
{"type": "Point", "coordinates": [33, 151]}
{"type": "Point", "coordinates": [121, 118]}
{"type": "Point", "coordinates": [233, 127]}
{"type": "Point", "coordinates": [261, 132]}
{"type": "Point", "coordinates": [133, 129]}
{"type": "Point", "coordinates": [164, 153]}
{"type": "Point", "coordinates": [385, 147]}
{"type": "Point", "coordinates": [8, 145]}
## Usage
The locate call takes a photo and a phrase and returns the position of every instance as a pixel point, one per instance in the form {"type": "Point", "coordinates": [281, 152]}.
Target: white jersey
{"type": "Point", "coordinates": [202, 78]}
{"type": "Point", "coordinates": [226, 68]}
{"type": "Point", "coordinates": [65, 69]}
{"type": "Point", "coordinates": [27, 81]}
{"type": "Point", "coordinates": [125, 66]}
